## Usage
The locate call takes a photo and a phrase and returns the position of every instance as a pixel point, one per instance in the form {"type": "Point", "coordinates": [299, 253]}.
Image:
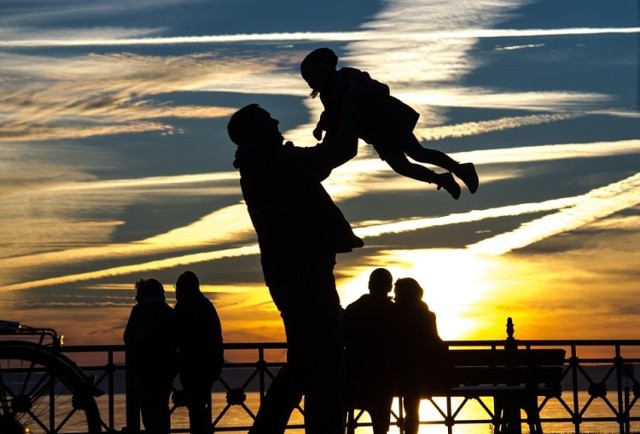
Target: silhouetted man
{"type": "Point", "coordinates": [200, 352]}
{"type": "Point", "coordinates": [299, 230]}
{"type": "Point", "coordinates": [368, 340]}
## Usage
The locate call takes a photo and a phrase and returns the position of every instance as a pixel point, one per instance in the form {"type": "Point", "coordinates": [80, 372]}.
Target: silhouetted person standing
{"type": "Point", "coordinates": [151, 354]}
{"type": "Point", "coordinates": [385, 122]}
{"type": "Point", "coordinates": [368, 339]}
{"type": "Point", "coordinates": [200, 350]}
{"type": "Point", "coordinates": [299, 230]}
{"type": "Point", "coordinates": [420, 348]}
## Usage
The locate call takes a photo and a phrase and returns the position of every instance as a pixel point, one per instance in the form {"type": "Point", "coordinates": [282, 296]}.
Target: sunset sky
{"type": "Point", "coordinates": [115, 162]}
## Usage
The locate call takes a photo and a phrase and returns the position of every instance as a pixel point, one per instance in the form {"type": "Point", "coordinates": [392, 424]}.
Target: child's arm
{"type": "Point", "coordinates": [320, 126]}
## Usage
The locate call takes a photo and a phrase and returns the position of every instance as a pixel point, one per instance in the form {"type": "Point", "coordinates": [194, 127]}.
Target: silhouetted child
{"type": "Point", "coordinates": [386, 123]}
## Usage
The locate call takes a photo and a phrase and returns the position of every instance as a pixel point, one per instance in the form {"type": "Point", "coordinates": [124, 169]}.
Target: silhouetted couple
{"type": "Point", "coordinates": [161, 342]}
{"type": "Point", "coordinates": [392, 348]}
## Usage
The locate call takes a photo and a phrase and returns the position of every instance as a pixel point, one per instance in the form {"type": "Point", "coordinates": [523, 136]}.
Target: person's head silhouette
{"type": "Point", "coordinates": [187, 285]}
{"type": "Point", "coordinates": [149, 290]}
{"type": "Point", "coordinates": [380, 282]}
{"type": "Point", "coordinates": [318, 68]}
{"type": "Point", "coordinates": [408, 290]}
{"type": "Point", "coordinates": [253, 125]}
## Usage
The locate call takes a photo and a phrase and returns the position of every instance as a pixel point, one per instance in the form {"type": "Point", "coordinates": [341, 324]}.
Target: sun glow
{"type": "Point", "coordinates": [454, 280]}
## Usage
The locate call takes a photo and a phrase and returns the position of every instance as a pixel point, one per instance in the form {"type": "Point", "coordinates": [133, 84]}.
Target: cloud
{"type": "Point", "coordinates": [592, 206]}
{"type": "Point", "coordinates": [545, 101]}
{"type": "Point", "coordinates": [358, 178]}
{"type": "Point", "coordinates": [550, 152]}
{"type": "Point", "coordinates": [482, 127]}
{"type": "Point", "coordinates": [73, 221]}
{"type": "Point", "coordinates": [47, 98]}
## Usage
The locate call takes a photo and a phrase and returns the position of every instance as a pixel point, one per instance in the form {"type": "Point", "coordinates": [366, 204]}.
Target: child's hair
{"type": "Point", "coordinates": [319, 55]}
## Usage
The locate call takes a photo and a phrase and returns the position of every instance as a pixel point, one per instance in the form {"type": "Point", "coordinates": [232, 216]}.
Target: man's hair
{"type": "Point", "coordinates": [189, 281]}
{"type": "Point", "coordinates": [187, 286]}
{"type": "Point", "coordinates": [241, 125]}
{"type": "Point", "coordinates": [380, 280]}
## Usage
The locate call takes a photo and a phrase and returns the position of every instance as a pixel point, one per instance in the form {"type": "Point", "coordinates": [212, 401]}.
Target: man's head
{"type": "Point", "coordinates": [187, 285]}
{"type": "Point", "coordinates": [380, 282]}
{"type": "Point", "coordinates": [252, 124]}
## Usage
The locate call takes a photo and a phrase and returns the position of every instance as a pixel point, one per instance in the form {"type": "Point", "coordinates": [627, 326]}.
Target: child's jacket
{"type": "Point", "coordinates": [383, 116]}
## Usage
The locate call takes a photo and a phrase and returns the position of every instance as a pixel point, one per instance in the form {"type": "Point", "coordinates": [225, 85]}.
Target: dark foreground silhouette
{"type": "Point", "coordinates": [385, 122]}
{"type": "Point", "coordinates": [300, 230]}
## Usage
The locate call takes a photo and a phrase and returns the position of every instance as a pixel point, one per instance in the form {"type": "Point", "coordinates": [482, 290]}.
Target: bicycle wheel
{"type": "Point", "coordinates": [44, 392]}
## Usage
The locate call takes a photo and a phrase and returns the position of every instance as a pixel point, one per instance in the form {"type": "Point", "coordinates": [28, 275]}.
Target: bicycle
{"type": "Point", "coordinates": [42, 391]}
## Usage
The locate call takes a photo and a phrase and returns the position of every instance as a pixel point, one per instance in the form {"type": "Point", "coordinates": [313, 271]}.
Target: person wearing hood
{"type": "Point", "coordinates": [300, 230]}
{"type": "Point", "coordinates": [151, 354]}
{"type": "Point", "coordinates": [200, 349]}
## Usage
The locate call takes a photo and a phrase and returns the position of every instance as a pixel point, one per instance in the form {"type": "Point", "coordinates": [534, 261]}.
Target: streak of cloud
{"type": "Point", "coordinates": [99, 40]}
{"type": "Point", "coordinates": [137, 268]}
{"type": "Point", "coordinates": [482, 127]}
{"type": "Point", "coordinates": [590, 207]}
{"type": "Point", "coordinates": [45, 97]}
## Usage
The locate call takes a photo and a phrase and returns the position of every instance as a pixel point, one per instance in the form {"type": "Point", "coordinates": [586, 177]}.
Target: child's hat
{"type": "Point", "coordinates": [321, 55]}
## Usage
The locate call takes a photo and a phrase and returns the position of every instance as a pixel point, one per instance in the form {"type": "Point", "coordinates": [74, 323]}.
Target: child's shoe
{"type": "Point", "coordinates": [467, 172]}
{"type": "Point", "coordinates": [446, 181]}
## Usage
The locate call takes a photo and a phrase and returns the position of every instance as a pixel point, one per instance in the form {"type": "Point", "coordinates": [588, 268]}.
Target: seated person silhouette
{"type": "Point", "coordinates": [368, 340]}
{"type": "Point", "coordinates": [420, 349]}
{"type": "Point", "coordinates": [385, 122]}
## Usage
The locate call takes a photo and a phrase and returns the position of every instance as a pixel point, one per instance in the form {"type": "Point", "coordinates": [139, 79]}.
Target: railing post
{"type": "Point", "coordinates": [112, 368]}
{"type": "Point", "coordinates": [510, 343]}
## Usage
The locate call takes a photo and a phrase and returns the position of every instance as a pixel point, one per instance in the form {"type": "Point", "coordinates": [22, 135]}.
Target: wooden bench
{"type": "Point", "coordinates": [515, 379]}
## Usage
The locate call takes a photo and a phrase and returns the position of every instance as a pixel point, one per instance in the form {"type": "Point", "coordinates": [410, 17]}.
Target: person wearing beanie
{"type": "Point", "coordinates": [386, 123]}
{"type": "Point", "coordinates": [300, 231]}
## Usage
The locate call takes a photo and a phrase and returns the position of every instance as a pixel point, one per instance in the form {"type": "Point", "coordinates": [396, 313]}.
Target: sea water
{"type": "Point", "coordinates": [239, 416]}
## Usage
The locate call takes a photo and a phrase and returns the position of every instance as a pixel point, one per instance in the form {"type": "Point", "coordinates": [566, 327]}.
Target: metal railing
{"type": "Point", "coordinates": [598, 374]}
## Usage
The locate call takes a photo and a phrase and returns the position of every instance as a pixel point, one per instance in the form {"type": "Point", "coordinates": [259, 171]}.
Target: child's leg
{"type": "Point", "coordinates": [415, 150]}
{"type": "Point", "coordinates": [401, 165]}
{"type": "Point", "coordinates": [466, 171]}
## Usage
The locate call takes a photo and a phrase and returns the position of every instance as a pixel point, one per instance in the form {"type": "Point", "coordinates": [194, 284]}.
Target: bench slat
{"type": "Point", "coordinates": [505, 375]}
{"type": "Point", "coordinates": [538, 357]}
